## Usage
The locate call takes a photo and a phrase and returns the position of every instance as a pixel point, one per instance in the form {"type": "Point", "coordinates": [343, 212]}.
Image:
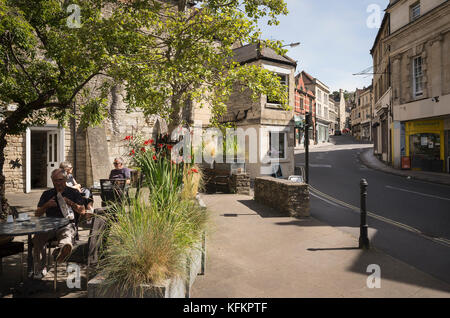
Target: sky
{"type": "Point", "coordinates": [335, 38]}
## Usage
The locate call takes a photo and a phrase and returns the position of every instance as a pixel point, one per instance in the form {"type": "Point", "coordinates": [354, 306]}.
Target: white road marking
{"type": "Point", "coordinates": [319, 166]}
{"type": "Point", "coordinates": [327, 198]}
{"type": "Point", "coordinates": [419, 193]}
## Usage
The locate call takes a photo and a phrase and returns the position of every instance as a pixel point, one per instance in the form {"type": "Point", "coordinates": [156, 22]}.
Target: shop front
{"type": "Point", "coordinates": [425, 145]}
{"type": "Point", "coordinates": [322, 133]}
{"type": "Point", "coordinates": [299, 129]}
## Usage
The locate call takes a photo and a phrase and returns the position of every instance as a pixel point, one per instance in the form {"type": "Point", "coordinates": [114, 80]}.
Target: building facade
{"type": "Point", "coordinates": [419, 44]}
{"type": "Point", "coordinates": [382, 92]}
{"type": "Point", "coordinates": [322, 121]}
{"type": "Point", "coordinates": [366, 109]}
{"type": "Point", "coordinates": [269, 126]}
{"type": "Point", "coordinates": [305, 102]}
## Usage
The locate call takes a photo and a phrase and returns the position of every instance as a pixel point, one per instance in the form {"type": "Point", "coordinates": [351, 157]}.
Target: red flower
{"type": "Point", "coordinates": [160, 145]}
{"type": "Point", "coordinates": [194, 170]}
{"type": "Point", "coordinates": [128, 138]}
{"type": "Point", "coordinates": [169, 147]}
{"type": "Point", "coordinates": [132, 152]}
{"type": "Point", "coordinates": [148, 142]}
{"type": "Point", "coordinates": [154, 157]}
{"type": "Point", "coordinates": [143, 149]}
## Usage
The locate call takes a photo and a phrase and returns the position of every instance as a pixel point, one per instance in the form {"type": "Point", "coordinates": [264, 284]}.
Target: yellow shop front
{"type": "Point", "coordinates": [424, 141]}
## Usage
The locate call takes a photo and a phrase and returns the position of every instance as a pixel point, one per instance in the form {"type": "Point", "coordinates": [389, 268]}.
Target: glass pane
{"type": "Point", "coordinates": [50, 143]}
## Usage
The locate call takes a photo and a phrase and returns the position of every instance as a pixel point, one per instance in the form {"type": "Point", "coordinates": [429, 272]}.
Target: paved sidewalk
{"type": "Point", "coordinates": [253, 252]}
{"type": "Point", "coordinates": [369, 159]}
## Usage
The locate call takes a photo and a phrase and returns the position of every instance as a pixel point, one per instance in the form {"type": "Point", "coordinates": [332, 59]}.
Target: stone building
{"type": "Point", "coordinates": [419, 45]}
{"type": "Point", "coordinates": [333, 115]}
{"type": "Point", "coordinates": [322, 121]}
{"type": "Point", "coordinates": [31, 156]}
{"type": "Point", "coordinates": [366, 101]}
{"type": "Point", "coordinates": [304, 103]}
{"type": "Point", "coordinates": [382, 92]}
{"type": "Point", "coordinates": [273, 126]}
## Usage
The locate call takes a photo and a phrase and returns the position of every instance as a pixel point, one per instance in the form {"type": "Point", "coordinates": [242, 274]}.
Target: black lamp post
{"type": "Point", "coordinates": [308, 123]}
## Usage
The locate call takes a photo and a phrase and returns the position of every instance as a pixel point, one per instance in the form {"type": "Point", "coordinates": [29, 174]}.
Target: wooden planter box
{"type": "Point", "coordinates": [171, 288]}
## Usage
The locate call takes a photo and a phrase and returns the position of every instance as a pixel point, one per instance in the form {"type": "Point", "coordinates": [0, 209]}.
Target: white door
{"type": "Point", "coordinates": [53, 159]}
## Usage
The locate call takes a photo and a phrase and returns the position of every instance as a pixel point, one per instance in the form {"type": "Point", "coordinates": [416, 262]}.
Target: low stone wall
{"type": "Point", "coordinates": [224, 180]}
{"type": "Point", "coordinates": [240, 183]}
{"type": "Point", "coordinates": [285, 196]}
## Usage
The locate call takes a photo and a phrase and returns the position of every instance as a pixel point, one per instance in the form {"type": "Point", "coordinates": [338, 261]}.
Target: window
{"type": "Point", "coordinates": [415, 11]}
{"type": "Point", "coordinates": [283, 81]}
{"type": "Point", "coordinates": [417, 76]}
{"type": "Point", "coordinates": [301, 104]}
{"type": "Point", "coordinates": [277, 145]}
{"type": "Point", "coordinates": [319, 109]}
{"type": "Point", "coordinates": [319, 95]}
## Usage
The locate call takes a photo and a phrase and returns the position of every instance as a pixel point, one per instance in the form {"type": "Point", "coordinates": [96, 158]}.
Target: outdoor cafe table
{"type": "Point", "coordinates": [32, 226]}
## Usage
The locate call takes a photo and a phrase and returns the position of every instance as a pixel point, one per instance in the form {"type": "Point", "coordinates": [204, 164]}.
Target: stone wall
{"type": "Point", "coordinates": [14, 172]}
{"type": "Point", "coordinates": [240, 183]}
{"type": "Point", "coordinates": [285, 196]}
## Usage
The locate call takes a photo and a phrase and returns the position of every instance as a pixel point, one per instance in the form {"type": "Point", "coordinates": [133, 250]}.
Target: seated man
{"type": "Point", "coordinates": [61, 201]}
{"type": "Point", "coordinates": [119, 171]}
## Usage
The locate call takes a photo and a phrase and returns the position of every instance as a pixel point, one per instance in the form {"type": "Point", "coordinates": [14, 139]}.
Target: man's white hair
{"type": "Point", "coordinates": [59, 171]}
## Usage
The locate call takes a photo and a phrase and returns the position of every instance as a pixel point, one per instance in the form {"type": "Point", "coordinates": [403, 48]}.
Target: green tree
{"type": "Point", "coordinates": [164, 53]}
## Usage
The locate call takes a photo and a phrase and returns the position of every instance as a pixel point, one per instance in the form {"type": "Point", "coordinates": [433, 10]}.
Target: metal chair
{"type": "Point", "coordinates": [112, 190]}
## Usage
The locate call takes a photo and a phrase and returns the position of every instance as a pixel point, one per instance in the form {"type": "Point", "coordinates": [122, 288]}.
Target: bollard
{"type": "Point", "coordinates": [363, 233]}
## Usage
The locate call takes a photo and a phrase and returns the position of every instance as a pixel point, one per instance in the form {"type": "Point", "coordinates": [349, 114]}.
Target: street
{"type": "Point", "coordinates": [408, 219]}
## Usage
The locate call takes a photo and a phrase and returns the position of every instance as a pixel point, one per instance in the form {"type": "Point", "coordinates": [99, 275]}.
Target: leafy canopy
{"type": "Point", "coordinates": [165, 53]}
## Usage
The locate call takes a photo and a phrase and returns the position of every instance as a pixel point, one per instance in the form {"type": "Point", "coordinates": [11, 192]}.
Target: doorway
{"type": "Point", "coordinates": [44, 153]}
{"type": "Point", "coordinates": [38, 159]}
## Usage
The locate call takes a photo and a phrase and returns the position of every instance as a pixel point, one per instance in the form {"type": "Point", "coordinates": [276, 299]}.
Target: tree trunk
{"type": "Point", "coordinates": [4, 206]}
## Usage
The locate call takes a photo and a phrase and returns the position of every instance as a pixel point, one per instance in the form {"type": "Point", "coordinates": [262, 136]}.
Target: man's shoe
{"type": "Point", "coordinates": [64, 253]}
{"type": "Point", "coordinates": [40, 275]}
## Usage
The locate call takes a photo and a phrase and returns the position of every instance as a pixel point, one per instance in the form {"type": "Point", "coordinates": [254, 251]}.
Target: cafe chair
{"type": "Point", "coordinates": [113, 190]}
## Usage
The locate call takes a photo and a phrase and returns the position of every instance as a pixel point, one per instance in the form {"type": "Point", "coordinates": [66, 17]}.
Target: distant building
{"type": "Point", "coordinates": [305, 102]}
{"type": "Point", "coordinates": [322, 122]}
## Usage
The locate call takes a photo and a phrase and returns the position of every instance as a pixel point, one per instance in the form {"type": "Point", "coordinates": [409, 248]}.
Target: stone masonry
{"type": "Point", "coordinates": [285, 196]}
{"type": "Point", "coordinates": [240, 183]}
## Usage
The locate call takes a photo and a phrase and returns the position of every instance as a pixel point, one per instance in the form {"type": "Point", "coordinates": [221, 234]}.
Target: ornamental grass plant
{"type": "Point", "coordinates": [149, 238]}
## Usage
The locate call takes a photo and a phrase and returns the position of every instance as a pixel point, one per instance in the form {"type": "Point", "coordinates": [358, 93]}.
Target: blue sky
{"type": "Point", "coordinates": [335, 39]}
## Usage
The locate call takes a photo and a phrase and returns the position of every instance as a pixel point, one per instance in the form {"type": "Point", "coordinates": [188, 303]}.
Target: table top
{"type": "Point", "coordinates": [34, 225]}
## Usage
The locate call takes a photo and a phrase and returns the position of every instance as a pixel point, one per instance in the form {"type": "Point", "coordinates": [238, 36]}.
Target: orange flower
{"type": "Point", "coordinates": [194, 170]}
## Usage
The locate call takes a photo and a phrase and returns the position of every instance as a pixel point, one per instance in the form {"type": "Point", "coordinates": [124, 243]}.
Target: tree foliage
{"type": "Point", "coordinates": [164, 53]}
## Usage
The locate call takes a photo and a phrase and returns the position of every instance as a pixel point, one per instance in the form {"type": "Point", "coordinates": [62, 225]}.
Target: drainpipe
{"type": "Point", "coordinates": [74, 136]}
